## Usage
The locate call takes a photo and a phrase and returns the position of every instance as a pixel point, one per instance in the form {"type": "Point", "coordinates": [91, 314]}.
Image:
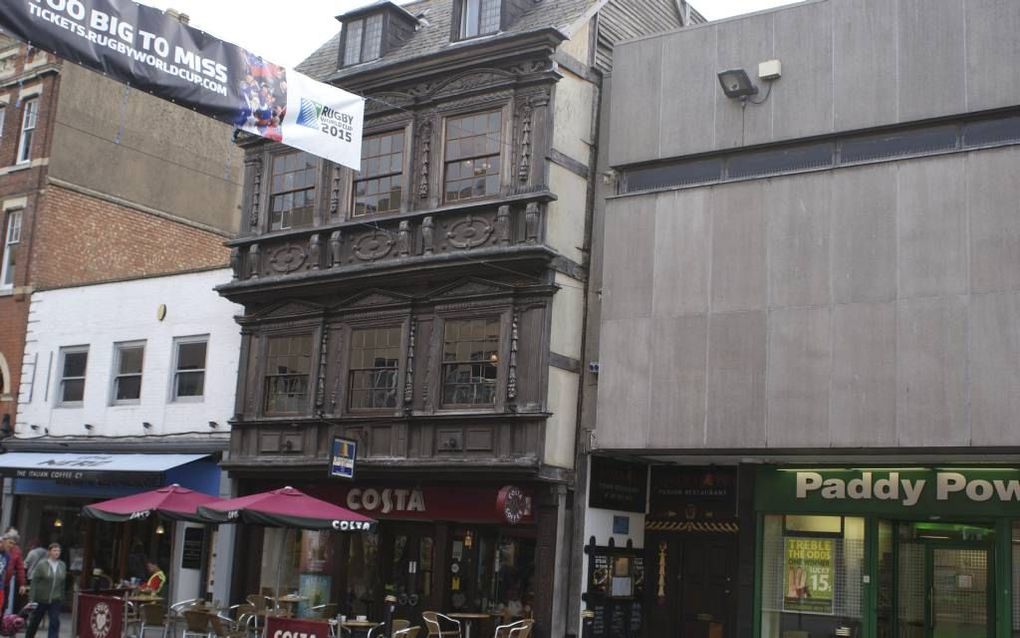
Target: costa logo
{"type": "Point", "coordinates": [281, 633]}
{"type": "Point", "coordinates": [513, 503]}
{"type": "Point", "coordinates": [386, 500]}
{"type": "Point", "coordinates": [352, 526]}
{"type": "Point", "coordinates": [101, 620]}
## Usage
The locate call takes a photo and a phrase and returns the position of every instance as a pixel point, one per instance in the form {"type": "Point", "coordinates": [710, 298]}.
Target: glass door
{"type": "Point", "coordinates": [959, 598]}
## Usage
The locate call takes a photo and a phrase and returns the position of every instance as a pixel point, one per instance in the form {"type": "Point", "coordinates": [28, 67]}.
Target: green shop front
{"type": "Point", "coordinates": [910, 552]}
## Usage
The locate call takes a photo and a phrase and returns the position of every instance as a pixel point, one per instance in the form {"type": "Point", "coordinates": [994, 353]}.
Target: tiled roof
{"type": "Point", "coordinates": [322, 65]}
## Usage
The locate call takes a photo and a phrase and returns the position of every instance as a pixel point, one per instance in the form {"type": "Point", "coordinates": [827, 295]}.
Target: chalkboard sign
{"type": "Point", "coordinates": [635, 619]}
{"type": "Point", "coordinates": [194, 540]}
{"type": "Point", "coordinates": [618, 622]}
{"type": "Point", "coordinates": [618, 485]}
{"type": "Point", "coordinates": [598, 623]}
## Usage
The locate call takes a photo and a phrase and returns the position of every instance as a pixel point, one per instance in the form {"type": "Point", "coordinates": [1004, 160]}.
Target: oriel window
{"type": "Point", "coordinates": [378, 188]}
{"type": "Point", "coordinates": [288, 364]}
{"type": "Point", "coordinates": [472, 156]}
{"type": "Point", "coordinates": [470, 361]}
{"type": "Point", "coordinates": [127, 383]}
{"type": "Point", "coordinates": [292, 201]}
{"type": "Point", "coordinates": [375, 362]}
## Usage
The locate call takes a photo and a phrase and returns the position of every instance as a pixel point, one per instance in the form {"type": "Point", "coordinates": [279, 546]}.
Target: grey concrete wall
{"type": "Point", "coordinates": [149, 152]}
{"type": "Point", "coordinates": [847, 64]}
{"type": "Point", "coordinates": [876, 306]}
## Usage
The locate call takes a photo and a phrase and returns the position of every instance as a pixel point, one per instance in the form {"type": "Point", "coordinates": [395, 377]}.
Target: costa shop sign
{"type": "Point", "coordinates": [916, 491]}
{"type": "Point", "coordinates": [502, 504]}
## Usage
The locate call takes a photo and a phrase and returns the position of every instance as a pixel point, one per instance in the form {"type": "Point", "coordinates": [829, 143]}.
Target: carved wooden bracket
{"type": "Point", "coordinates": [256, 192]}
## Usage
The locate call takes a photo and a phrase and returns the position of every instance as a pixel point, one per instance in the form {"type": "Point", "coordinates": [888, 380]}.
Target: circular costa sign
{"type": "Point", "coordinates": [101, 620]}
{"type": "Point", "coordinates": [513, 504]}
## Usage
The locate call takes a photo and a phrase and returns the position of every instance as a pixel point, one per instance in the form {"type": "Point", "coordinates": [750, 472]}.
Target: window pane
{"type": "Point", "coordinates": [129, 388]}
{"type": "Point", "coordinates": [191, 356]}
{"type": "Point", "coordinates": [131, 359]}
{"type": "Point", "coordinates": [490, 16]}
{"type": "Point", "coordinates": [470, 356]}
{"type": "Point", "coordinates": [770, 162]}
{"type": "Point", "coordinates": [293, 192]}
{"type": "Point", "coordinates": [373, 38]}
{"type": "Point", "coordinates": [190, 384]}
{"type": "Point", "coordinates": [378, 186]}
{"type": "Point", "coordinates": [74, 364]}
{"type": "Point", "coordinates": [469, 18]}
{"type": "Point", "coordinates": [287, 370]}
{"type": "Point", "coordinates": [72, 390]}
{"type": "Point", "coordinates": [473, 146]}
{"type": "Point", "coordinates": [352, 52]}
{"type": "Point", "coordinates": [375, 357]}
{"type": "Point", "coordinates": [898, 143]}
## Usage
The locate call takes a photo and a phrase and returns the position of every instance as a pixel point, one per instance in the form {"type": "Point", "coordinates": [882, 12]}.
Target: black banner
{"type": "Point", "coordinates": [618, 485]}
{"type": "Point", "coordinates": [144, 48]}
{"type": "Point", "coordinates": [147, 49]}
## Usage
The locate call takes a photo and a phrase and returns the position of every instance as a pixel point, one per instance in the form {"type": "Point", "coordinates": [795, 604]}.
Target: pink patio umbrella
{"type": "Point", "coordinates": [172, 501]}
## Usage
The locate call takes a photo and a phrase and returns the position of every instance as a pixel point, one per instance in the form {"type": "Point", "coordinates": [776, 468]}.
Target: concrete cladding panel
{"type": "Point", "coordinates": [847, 64]}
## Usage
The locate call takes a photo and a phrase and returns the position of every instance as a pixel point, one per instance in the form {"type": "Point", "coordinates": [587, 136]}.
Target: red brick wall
{"type": "Point", "coordinates": [13, 322]}
{"type": "Point", "coordinates": [81, 239]}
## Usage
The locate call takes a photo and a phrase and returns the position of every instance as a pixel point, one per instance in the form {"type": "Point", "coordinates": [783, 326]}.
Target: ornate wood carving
{"type": "Point", "coordinates": [426, 386]}
{"type": "Point", "coordinates": [531, 223]}
{"type": "Point", "coordinates": [256, 192]}
{"type": "Point", "coordinates": [287, 258]}
{"type": "Point", "coordinates": [469, 232]}
{"type": "Point", "coordinates": [335, 245]}
{"type": "Point", "coordinates": [404, 238]}
{"type": "Point", "coordinates": [524, 165]}
{"type": "Point", "coordinates": [334, 192]}
{"type": "Point", "coordinates": [409, 376]}
{"type": "Point", "coordinates": [320, 385]}
{"type": "Point", "coordinates": [426, 159]}
{"type": "Point", "coordinates": [503, 225]}
{"type": "Point", "coordinates": [373, 246]}
{"type": "Point", "coordinates": [254, 259]}
{"type": "Point", "coordinates": [472, 80]}
{"type": "Point", "coordinates": [333, 395]}
{"type": "Point", "coordinates": [314, 251]}
{"type": "Point", "coordinates": [235, 263]}
{"type": "Point", "coordinates": [428, 227]}
{"type": "Point", "coordinates": [511, 383]}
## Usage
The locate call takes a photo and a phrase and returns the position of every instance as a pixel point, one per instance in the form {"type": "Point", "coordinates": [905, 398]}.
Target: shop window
{"type": "Point", "coordinates": [812, 569]}
{"type": "Point", "coordinates": [12, 237]}
{"type": "Point", "coordinates": [470, 361]}
{"type": "Point", "coordinates": [298, 561]}
{"type": "Point", "coordinates": [292, 196]}
{"type": "Point", "coordinates": [189, 368]}
{"type": "Point", "coordinates": [479, 17]}
{"type": "Point", "coordinates": [375, 357]}
{"type": "Point", "coordinates": [378, 188]}
{"type": "Point", "coordinates": [472, 156]}
{"type": "Point", "coordinates": [288, 365]}
{"type": "Point", "coordinates": [127, 381]}
{"type": "Point", "coordinates": [363, 577]}
{"type": "Point", "coordinates": [29, 118]}
{"type": "Point", "coordinates": [73, 362]}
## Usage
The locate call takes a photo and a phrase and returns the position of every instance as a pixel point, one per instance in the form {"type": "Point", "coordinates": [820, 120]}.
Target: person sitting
{"type": "Point", "coordinates": [157, 579]}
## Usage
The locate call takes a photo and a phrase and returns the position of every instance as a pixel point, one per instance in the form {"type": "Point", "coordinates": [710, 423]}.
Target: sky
{"type": "Point", "coordinates": [287, 31]}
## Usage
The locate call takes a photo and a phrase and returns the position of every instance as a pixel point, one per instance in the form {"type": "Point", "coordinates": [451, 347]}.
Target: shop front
{"type": "Point", "coordinates": [888, 552]}
{"type": "Point", "coordinates": [46, 491]}
{"type": "Point", "coordinates": [438, 547]}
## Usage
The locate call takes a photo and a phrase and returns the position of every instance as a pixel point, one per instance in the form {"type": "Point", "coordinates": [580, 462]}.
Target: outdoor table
{"type": "Point", "coordinates": [361, 627]}
{"type": "Point", "coordinates": [469, 619]}
{"type": "Point", "coordinates": [290, 600]}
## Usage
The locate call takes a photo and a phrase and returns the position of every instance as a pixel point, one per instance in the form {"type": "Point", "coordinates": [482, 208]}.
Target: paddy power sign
{"type": "Point", "coordinates": [154, 52]}
{"type": "Point", "coordinates": [923, 491]}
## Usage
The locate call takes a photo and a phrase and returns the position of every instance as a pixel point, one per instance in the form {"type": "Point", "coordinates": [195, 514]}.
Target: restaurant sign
{"type": "Point", "coordinates": [915, 491]}
{"type": "Point", "coordinates": [277, 627]}
{"type": "Point", "coordinates": [508, 504]}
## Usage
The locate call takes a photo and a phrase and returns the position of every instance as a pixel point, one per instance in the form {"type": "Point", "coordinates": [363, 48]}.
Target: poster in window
{"type": "Point", "coordinates": [809, 577]}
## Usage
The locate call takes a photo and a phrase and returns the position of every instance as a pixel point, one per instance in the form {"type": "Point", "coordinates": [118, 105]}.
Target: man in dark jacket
{"type": "Point", "coordinates": [48, 581]}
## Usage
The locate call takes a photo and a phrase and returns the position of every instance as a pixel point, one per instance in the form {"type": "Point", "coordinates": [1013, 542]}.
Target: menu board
{"type": "Point", "coordinates": [618, 622]}
{"type": "Point", "coordinates": [191, 554]}
{"type": "Point", "coordinates": [635, 618]}
{"type": "Point", "coordinates": [598, 623]}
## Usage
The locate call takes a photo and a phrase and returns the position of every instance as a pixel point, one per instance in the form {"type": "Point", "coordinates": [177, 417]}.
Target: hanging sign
{"type": "Point", "coordinates": [154, 52]}
{"type": "Point", "coordinates": [809, 575]}
{"type": "Point", "coordinates": [342, 457]}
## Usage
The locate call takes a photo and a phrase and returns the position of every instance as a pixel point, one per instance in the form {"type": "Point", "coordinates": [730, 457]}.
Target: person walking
{"type": "Point", "coordinates": [15, 570]}
{"type": "Point", "coordinates": [47, 591]}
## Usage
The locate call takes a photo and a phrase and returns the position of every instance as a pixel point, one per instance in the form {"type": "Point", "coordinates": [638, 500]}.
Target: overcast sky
{"type": "Point", "coordinates": [287, 31]}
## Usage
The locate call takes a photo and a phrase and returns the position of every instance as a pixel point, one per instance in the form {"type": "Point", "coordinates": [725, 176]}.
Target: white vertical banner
{"type": "Point", "coordinates": [323, 120]}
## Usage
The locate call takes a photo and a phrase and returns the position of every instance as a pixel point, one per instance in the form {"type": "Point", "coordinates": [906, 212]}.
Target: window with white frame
{"type": "Point", "coordinates": [73, 362]}
{"type": "Point", "coordinates": [127, 378]}
{"type": "Point", "coordinates": [189, 368]}
{"type": "Point", "coordinates": [12, 237]}
{"type": "Point", "coordinates": [29, 117]}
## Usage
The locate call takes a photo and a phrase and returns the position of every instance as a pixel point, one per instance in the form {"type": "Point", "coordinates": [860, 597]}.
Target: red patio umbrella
{"type": "Point", "coordinates": [286, 507]}
{"type": "Point", "coordinates": [172, 501]}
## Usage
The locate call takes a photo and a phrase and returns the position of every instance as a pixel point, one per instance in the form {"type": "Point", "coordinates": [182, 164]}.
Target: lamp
{"type": "Point", "coordinates": [57, 522]}
{"type": "Point", "coordinates": [160, 530]}
{"type": "Point", "coordinates": [736, 84]}
{"type": "Point", "coordinates": [469, 539]}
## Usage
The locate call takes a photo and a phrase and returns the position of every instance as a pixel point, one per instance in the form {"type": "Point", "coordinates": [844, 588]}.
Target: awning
{"type": "Point", "coordinates": [122, 469]}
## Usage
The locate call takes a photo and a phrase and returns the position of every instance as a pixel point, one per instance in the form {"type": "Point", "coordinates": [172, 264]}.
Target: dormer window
{"type": "Point", "coordinates": [364, 40]}
{"type": "Point", "coordinates": [479, 17]}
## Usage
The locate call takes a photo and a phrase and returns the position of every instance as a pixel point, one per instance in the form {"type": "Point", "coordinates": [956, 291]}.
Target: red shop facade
{"type": "Point", "coordinates": [443, 546]}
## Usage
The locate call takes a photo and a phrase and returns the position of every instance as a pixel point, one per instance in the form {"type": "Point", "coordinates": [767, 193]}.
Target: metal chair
{"type": "Point", "coordinates": [223, 627]}
{"type": "Point", "coordinates": [324, 612]}
{"type": "Point", "coordinates": [517, 629]}
{"type": "Point", "coordinates": [408, 632]}
{"type": "Point", "coordinates": [400, 624]}
{"type": "Point", "coordinates": [196, 623]}
{"type": "Point", "coordinates": [174, 615]}
{"type": "Point", "coordinates": [434, 622]}
{"type": "Point", "coordinates": [151, 616]}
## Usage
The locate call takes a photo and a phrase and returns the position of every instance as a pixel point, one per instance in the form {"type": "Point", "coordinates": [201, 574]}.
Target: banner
{"type": "Point", "coordinates": [154, 52]}
{"type": "Point", "coordinates": [809, 575]}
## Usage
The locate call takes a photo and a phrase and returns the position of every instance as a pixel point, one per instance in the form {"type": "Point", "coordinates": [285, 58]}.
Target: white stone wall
{"type": "Point", "coordinates": [102, 315]}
